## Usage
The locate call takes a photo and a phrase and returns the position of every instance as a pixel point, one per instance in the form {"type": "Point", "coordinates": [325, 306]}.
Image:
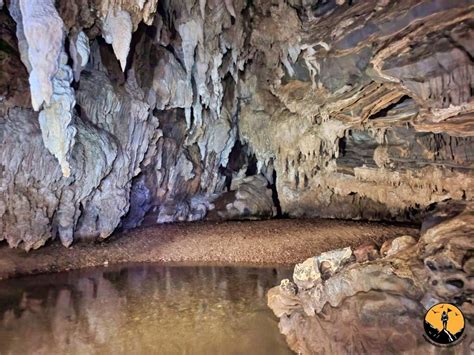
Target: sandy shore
{"type": "Point", "coordinates": [271, 242]}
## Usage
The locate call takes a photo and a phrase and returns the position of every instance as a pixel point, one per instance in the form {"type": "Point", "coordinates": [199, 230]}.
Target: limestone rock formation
{"type": "Point", "coordinates": [40, 31]}
{"type": "Point", "coordinates": [117, 31]}
{"type": "Point", "coordinates": [353, 310]}
{"type": "Point", "coordinates": [353, 120]}
{"type": "Point", "coordinates": [161, 111]}
{"type": "Point", "coordinates": [43, 32]}
{"type": "Point", "coordinates": [253, 199]}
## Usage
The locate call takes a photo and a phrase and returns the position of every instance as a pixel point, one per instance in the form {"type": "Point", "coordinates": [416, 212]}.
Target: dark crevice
{"type": "Point", "coordinates": [78, 110]}
{"type": "Point", "coordinates": [342, 146]}
{"type": "Point", "coordinates": [276, 200]}
{"type": "Point", "coordinates": [110, 62]}
{"type": "Point", "coordinates": [456, 283]}
{"type": "Point", "coordinates": [252, 166]}
{"type": "Point", "coordinates": [171, 49]}
{"type": "Point", "coordinates": [236, 160]}
{"type": "Point", "coordinates": [143, 31]}
{"type": "Point", "coordinates": [404, 100]}
{"type": "Point", "coordinates": [238, 157]}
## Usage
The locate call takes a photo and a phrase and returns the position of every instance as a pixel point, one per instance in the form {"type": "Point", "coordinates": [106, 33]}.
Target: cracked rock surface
{"type": "Point", "coordinates": [131, 112]}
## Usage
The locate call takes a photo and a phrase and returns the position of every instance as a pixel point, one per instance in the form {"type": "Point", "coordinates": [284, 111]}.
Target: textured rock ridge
{"type": "Point", "coordinates": [338, 303]}
{"type": "Point", "coordinates": [115, 113]}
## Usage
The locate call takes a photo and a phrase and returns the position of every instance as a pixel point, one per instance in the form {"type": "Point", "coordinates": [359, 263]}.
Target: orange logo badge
{"type": "Point", "coordinates": [444, 324]}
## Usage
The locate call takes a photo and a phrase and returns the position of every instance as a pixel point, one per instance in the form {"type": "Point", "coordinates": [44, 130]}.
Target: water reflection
{"type": "Point", "coordinates": [141, 310]}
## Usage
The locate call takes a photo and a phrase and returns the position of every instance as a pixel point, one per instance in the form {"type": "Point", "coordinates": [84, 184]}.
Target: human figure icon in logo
{"type": "Point", "coordinates": [444, 324]}
{"type": "Point", "coordinates": [444, 319]}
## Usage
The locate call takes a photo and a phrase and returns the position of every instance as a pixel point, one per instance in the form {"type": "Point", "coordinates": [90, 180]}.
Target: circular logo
{"type": "Point", "coordinates": [444, 324]}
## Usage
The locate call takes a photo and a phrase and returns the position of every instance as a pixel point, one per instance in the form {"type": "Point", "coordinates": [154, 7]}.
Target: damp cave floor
{"type": "Point", "coordinates": [276, 242]}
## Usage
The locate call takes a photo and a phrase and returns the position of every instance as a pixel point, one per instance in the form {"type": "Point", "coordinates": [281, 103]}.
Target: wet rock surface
{"type": "Point", "coordinates": [130, 112]}
{"type": "Point", "coordinates": [372, 304]}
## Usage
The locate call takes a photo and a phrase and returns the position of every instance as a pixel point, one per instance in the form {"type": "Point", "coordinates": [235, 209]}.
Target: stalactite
{"type": "Point", "coordinates": [356, 117]}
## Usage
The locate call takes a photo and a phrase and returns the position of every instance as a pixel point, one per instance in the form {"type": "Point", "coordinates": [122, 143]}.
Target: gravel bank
{"type": "Point", "coordinates": [270, 242]}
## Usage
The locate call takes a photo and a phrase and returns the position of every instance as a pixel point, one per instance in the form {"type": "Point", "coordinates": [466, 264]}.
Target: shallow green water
{"type": "Point", "coordinates": [146, 309]}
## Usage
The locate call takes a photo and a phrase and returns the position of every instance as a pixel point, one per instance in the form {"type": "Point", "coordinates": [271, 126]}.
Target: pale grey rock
{"type": "Point", "coordinates": [117, 31]}
{"type": "Point", "coordinates": [335, 259]}
{"type": "Point", "coordinates": [106, 156]}
{"type": "Point", "coordinates": [202, 7]}
{"type": "Point", "coordinates": [307, 275]}
{"type": "Point", "coordinates": [139, 10]}
{"type": "Point", "coordinates": [55, 117]}
{"type": "Point", "coordinates": [314, 270]}
{"type": "Point", "coordinates": [83, 49]}
{"type": "Point", "coordinates": [288, 287]}
{"type": "Point", "coordinates": [191, 33]}
{"type": "Point", "coordinates": [252, 200]}
{"type": "Point", "coordinates": [80, 50]}
{"type": "Point", "coordinates": [44, 33]}
{"type": "Point", "coordinates": [40, 32]}
{"type": "Point", "coordinates": [130, 123]}
{"type": "Point", "coordinates": [229, 4]}
{"type": "Point", "coordinates": [391, 247]}
{"type": "Point", "coordinates": [170, 83]}
{"type": "Point", "coordinates": [30, 181]}
{"type": "Point", "coordinates": [285, 300]}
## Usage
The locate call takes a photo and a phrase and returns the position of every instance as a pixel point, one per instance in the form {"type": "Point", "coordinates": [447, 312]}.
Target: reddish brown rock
{"type": "Point", "coordinates": [366, 252]}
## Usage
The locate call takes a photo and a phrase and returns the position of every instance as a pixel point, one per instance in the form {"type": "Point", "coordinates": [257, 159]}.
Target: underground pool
{"type": "Point", "coordinates": [142, 309]}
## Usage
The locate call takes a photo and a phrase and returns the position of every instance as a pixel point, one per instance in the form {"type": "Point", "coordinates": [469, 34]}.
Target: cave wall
{"type": "Point", "coordinates": [366, 109]}
{"type": "Point", "coordinates": [119, 113]}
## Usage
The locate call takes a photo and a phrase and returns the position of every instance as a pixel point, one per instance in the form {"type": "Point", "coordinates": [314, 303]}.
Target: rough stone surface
{"type": "Point", "coordinates": [117, 31]}
{"type": "Point", "coordinates": [184, 110]}
{"type": "Point", "coordinates": [43, 31]}
{"type": "Point", "coordinates": [252, 200]}
{"type": "Point", "coordinates": [355, 124]}
{"type": "Point", "coordinates": [366, 252]}
{"type": "Point", "coordinates": [80, 50]}
{"type": "Point", "coordinates": [55, 118]}
{"type": "Point", "coordinates": [356, 306]}
{"type": "Point", "coordinates": [393, 246]}
{"type": "Point", "coordinates": [309, 273]}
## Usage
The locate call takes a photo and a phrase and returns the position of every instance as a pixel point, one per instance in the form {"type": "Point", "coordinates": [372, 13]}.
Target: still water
{"type": "Point", "coordinates": [147, 309]}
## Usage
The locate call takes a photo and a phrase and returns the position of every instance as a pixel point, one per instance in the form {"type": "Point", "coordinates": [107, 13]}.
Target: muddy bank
{"type": "Point", "coordinates": [271, 242]}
